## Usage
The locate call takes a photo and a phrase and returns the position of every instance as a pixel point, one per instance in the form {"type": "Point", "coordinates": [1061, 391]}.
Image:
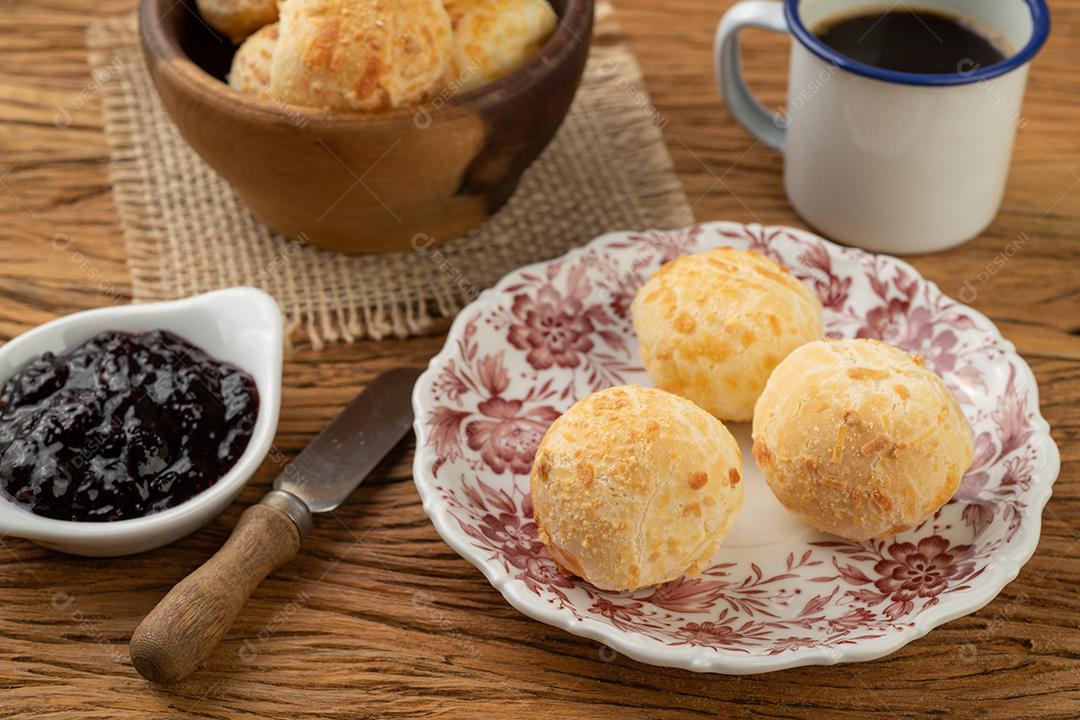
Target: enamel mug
{"type": "Point", "coordinates": [889, 161]}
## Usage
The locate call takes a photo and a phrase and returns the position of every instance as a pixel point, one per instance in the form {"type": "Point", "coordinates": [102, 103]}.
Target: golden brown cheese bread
{"type": "Point", "coordinates": [238, 18]}
{"type": "Point", "coordinates": [711, 327]}
{"type": "Point", "coordinates": [250, 73]}
{"type": "Point", "coordinates": [493, 37]}
{"type": "Point", "coordinates": [859, 439]}
{"type": "Point", "coordinates": [635, 486]}
{"type": "Point", "coordinates": [360, 54]}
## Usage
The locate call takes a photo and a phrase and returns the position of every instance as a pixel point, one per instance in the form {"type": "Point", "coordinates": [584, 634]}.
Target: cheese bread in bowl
{"type": "Point", "coordinates": [435, 163]}
{"type": "Point", "coordinates": [859, 439]}
{"type": "Point", "coordinates": [360, 54]}
{"type": "Point", "coordinates": [375, 54]}
{"type": "Point", "coordinates": [712, 326]}
{"type": "Point", "coordinates": [250, 72]}
{"type": "Point", "coordinates": [491, 38]}
{"type": "Point", "coordinates": [237, 19]}
{"type": "Point", "coordinates": [634, 486]}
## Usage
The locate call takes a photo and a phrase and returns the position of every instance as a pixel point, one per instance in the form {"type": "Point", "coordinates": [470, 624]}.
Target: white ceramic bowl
{"type": "Point", "coordinates": [241, 326]}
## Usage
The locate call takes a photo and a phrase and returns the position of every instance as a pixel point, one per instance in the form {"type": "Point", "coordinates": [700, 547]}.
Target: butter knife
{"type": "Point", "coordinates": [189, 622]}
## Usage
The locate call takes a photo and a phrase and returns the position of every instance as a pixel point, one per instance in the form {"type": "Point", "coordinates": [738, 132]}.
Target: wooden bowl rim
{"type": "Point", "coordinates": [573, 29]}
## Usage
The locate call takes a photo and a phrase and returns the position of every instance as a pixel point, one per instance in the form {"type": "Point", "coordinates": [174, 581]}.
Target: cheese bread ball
{"type": "Point", "coordinates": [237, 18]}
{"type": "Point", "coordinates": [493, 37]}
{"type": "Point", "coordinates": [858, 439]}
{"type": "Point", "coordinates": [250, 73]}
{"type": "Point", "coordinates": [635, 486]}
{"type": "Point", "coordinates": [360, 54]}
{"type": "Point", "coordinates": [712, 327]}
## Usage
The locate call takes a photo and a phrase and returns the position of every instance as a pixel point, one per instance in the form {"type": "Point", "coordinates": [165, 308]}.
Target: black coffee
{"type": "Point", "coordinates": [914, 41]}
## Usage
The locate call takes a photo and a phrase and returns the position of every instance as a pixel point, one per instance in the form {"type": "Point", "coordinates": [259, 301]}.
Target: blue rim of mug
{"type": "Point", "coordinates": [1040, 18]}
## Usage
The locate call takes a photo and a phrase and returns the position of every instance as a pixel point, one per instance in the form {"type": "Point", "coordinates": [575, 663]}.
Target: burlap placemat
{"type": "Point", "coordinates": [187, 232]}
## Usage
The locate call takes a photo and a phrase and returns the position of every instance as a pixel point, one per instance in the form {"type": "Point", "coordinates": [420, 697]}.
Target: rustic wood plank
{"type": "Point", "coordinates": [377, 617]}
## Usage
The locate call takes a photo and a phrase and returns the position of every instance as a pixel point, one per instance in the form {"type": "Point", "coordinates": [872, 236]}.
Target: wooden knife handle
{"type": "Point", "coordinates": [182, 630]}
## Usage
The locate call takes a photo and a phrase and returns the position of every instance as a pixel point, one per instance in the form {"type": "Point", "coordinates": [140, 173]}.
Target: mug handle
{"type": "Point", "coordinates": [764, 124]}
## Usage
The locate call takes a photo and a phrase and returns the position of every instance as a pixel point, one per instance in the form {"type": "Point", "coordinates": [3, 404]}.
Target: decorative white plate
{"type": "Point", "coordinates": [778, 593]}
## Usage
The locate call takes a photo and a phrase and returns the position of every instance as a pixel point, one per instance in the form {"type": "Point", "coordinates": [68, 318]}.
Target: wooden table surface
{"type": "Point", "coordinates": [377, 617]}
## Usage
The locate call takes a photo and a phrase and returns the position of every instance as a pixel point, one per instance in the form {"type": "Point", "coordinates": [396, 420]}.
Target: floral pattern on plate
{"type": "Point", "coordinates": [551, 333]}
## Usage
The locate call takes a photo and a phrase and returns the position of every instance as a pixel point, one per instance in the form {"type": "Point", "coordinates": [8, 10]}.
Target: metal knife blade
{"type": "Point", "coordinates": [182, 630]}
{"type": "Point", "coordinates": [341, 456]}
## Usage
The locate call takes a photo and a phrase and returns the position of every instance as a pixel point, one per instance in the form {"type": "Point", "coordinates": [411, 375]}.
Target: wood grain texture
{"type": "Point", "coordinates": [377, 617]}
{"type": "Point", "coordinates": [455, 161]}
{"type": "Point", "coordinates": [189, 622]}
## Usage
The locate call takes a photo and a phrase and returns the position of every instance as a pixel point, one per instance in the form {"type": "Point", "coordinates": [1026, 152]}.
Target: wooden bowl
{"type": "Point", "coordinates": [364, 182]}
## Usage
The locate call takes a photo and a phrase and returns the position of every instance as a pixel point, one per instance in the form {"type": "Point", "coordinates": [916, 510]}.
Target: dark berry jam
{"type": "Point", "coordinates": [121, 426]}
